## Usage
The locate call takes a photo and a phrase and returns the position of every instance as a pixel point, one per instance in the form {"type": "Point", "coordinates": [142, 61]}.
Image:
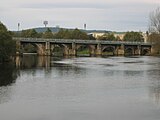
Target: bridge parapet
{"type": "Point", "coordinates": [80, 41]}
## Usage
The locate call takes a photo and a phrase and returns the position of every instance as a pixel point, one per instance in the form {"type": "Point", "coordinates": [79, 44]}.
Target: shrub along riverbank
{"type": "Point", "coordinates": [7, 45]}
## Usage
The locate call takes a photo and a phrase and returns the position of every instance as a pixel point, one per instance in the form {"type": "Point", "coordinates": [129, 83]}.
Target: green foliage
{"type": "Point", "coordinates": [2, 27]}
{"type": "Point", "coordinates": [58, 51]}
{"type": "Point", "coordinates": [91, 37]}
{"type": "Point", "coordinates": [107, 36]}
{"type": "Point", "coordinates": [77, 34]}
{"type": "Point", "coordinates": [133, 36]}
{"type": "Point", "coordinates": [48, 34]}
{"type": "Point", "coordinates": [71, 34]}
{"type": "Point", "coordinates": [29, 48]}
{"type": "Point", "coordinates": [29, 33]}
{"type": "Point", "coordinates": [63, 34]}
{"type": "Point", "coordinates": [8, 74]}
{"type": "Point", "coordinates": [7, 45]}
{"type": "Point", "coordinates": [83, 52]}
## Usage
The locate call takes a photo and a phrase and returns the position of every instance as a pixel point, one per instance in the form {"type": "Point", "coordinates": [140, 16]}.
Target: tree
{"type": "Point", "coordinates": [29, 48]}
{"type": "Point", "coordinates": [154, 26]}
{"type": "Point", "coordinates": [48, 34]}
{"type": "Point", "coordinates": [91, 37]}
{"type": "Point", "coordinates": [7, 45]}
{"type": "Point", "coordinates": [63, 34]}
{"type": "Point", "coordinates": [154, 30]}
{"type": "Point", "coordinates": [77, 34]}
{"type": "Point", "coordinates": [155, 38]}
{"type": "Point", "coordinates": [71, 34]}
{"type": "Point", "coordinates": [29, 33]}
{"type": "Point", "coordinates": [107, 36]}
{"type": "Point", "coordinates": [133, 36]}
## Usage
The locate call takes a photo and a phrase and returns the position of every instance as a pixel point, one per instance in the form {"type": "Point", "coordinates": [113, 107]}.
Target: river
{"type": "Point", "coordinates": [80, 88]}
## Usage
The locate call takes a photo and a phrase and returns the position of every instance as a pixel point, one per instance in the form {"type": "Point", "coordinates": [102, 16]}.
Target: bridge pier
{"type": "Point", "coordinates": [70, 50]}
{"type": "Point", "coordinates": [98, 50]}
{"type": "Point", "coordinates": [116, 50]}
{"type": "Point", "coordinates": [18, 47]}
{"type": "Point", "coordinates": [41, 50]}
{"type": "Point", "coordinates": [120, 50]}
{"type": "Point", "coordinates": [48, 49]}
{"type": "Point", "coordinates": [66, 50]}
{"type": "Point", "coordinates": [92, 50]}
{"type": "Point", "coordinates": [138, 50]}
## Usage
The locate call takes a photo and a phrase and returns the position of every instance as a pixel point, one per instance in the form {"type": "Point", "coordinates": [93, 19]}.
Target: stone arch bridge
{"type": "Point", "coordinates": [96, 47]}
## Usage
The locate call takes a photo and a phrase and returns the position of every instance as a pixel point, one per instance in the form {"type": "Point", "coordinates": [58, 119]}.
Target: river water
{"type": "Point", "coordinates": [80, 88]}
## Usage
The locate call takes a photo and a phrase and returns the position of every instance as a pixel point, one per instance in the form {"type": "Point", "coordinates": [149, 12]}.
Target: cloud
{"type": "Point", "coordinates": [98, 14]}
{"type": "Point", "coordinates": [83, 5]}
{"type": "Point", "coordinates": [67, 5]}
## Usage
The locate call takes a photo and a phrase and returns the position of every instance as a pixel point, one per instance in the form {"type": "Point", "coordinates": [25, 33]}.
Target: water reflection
{"type": "Point", "coordinates": [33, 61]}
{"type": "Point", "coordinates": [133, 73]}
{"type": "Point", "coordinates": [114, 88]}
{"type": "Point", "coordinates": [155, 92]}
{"type": "Point", "coordinates": [8, 74]}
{"type": "Point", "coordinates": [154, 88]}
{"type": "Point", "coordinates": [129, 69]}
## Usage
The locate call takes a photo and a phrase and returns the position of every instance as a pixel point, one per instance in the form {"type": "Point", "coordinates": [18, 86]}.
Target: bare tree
{"type": "Point", "coordinates": [154, 31]}
{"type": "Point", "coordinates": [154, 26]}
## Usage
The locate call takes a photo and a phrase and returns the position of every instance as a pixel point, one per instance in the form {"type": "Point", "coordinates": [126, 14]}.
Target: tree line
{"type": "Point", "coordinates": [128, 36]}
{"type": "Point", "coordinates": [78, 34]}
{"type": "Point", "coordinates": [62, 34]}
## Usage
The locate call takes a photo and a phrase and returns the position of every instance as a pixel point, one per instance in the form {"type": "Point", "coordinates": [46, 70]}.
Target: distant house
{"type": "Point", "coordinates": [145, 37]}
{"type": "Point", "coordinates": [97, 34]}
{"type": "Point", "coordinates": [119, 34]}
{"type": "Point", "coordinates": [116, 34]}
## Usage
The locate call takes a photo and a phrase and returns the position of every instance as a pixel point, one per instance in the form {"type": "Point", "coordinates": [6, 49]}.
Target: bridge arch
{"type": "Point", "coordinates": [83, 50]}
{"type": "Point", "coordinates": [57, 50]}
{"type": "Point", "coordinates": [146, 51]}
{"type": "Point", "coordinates": [32, 48]}
{"type": "Point", "coordinates": [129, 51]}
{"type": "Point", "coordinates": [108, 50]}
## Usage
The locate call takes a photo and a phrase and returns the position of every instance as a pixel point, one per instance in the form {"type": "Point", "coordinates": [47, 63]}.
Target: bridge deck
{"type": "Point", "coordinates": [70, 41]}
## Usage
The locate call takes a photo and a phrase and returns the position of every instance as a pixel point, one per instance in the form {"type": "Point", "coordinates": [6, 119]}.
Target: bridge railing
{"type": "Point", "coordinates": [79, 41]}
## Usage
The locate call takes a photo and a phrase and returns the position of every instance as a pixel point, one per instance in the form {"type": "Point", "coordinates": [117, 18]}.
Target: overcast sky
{"type": "Point", "coordinates": [116, 15]}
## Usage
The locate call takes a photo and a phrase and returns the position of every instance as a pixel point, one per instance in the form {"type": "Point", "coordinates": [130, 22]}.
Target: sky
{"type": "Point", "coordinates": [114, 15]}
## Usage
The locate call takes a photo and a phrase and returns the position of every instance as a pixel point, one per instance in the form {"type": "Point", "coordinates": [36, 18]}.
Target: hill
{"type": "Point", "coordinates": [56, 29]}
